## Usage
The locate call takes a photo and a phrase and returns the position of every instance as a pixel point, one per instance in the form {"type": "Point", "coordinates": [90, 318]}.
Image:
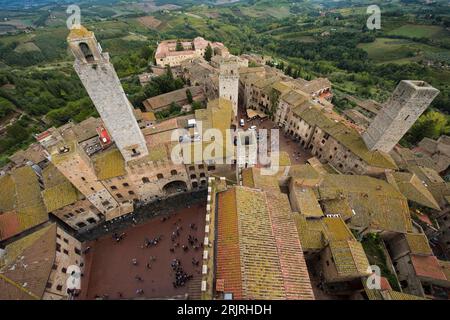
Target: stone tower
{"type": "Point", "coordinates": [229, 83]}
{"type": "Point", "coordinates": [105, 90]}
{"type": "Point", "coordinates": [404, 107]}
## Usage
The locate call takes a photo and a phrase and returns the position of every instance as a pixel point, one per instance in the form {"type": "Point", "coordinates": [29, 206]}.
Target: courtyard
{"type": "Point", "coordinates": [138, 262]}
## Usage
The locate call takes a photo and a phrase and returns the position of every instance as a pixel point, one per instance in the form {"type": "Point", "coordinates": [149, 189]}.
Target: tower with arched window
{"type": "Point", "coordinates": [105, 90]}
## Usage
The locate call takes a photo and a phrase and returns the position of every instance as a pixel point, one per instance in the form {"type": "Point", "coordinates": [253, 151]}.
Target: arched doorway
{"type": "Point", "coordinates": [174, 187]}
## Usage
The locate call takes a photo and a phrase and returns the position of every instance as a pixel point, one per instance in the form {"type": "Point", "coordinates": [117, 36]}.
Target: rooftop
{"type": "Point", "coordinates": [254, 234]}
{"type": "Point", "coordinates": [428, 267]}
{"type": "Point", "coordinates": [109, 164]}
{"type": "Point", "coordinates": [418, 244]}
{"type": "Point", "coordinates": [21, 202]}
{"type": "Point", "coordinates": [25, 269]}
{"type": "Point", "coordinates": [177, 96]}
{"type": "Point", "coordinates": [349, 258]}
{"type": "Point", "coordinates": [414, 189]}
{"type": "Point", "coordinates": [79, 32]}
{"type": "Point", "coordinates": [376, 204]}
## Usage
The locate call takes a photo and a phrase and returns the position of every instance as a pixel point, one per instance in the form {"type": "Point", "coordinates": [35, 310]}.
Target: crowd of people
{"type": "Point", "coordinates": [182, 241]}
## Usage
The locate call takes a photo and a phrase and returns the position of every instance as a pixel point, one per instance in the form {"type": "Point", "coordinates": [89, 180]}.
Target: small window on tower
{"type": "Point", "coordinates": [134, 153]}
{"type": "Point", "coordinates": [407, 117]}
{"type": "Point", "coordinates": [86, 52]}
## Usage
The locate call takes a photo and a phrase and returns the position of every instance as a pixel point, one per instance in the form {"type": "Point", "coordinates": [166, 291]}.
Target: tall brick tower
{"type": "Point", "coordinates": [229, 83]}
{"type": "Point", "coordinates": [409, 100]}
{"type": "Point", "coordinates": [105, 90]}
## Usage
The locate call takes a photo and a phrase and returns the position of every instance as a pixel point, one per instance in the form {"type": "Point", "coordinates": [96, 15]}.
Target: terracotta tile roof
{"type": "Point", "coordinates": [109, 164]}
{"type": "Point", "coordinates": [316, 85]}
{"type": "Point", "coordinates": [7, 193]}
{"type": "Point", "coordinates": [247, 178]}
{"type": "Point", "coordinates": [445, 265]}
{"type": "Point", "coordinates": [418, 244]}
{"type": "Point", "coordinates": [9, 224]}
{"type": "Point", "coordinates": [25, 197]}
{"type": "Point", "coordinates": [396, 295]}
{"type": "Point", "coordinates": [148, 116]}
{"type": "Point", "coordinates": [310, 233]}
{"type": "Point", "coordinates": [414, 189]}
{"type": "Point", "coordinates": [335, 229]}
{"type": "Point", "coordinates": [384, 283]}
{"type": "Point", "coordinates": [263, 236]}
{"type": "Point", "coordinates": [86, 129]}
{"type": "Point", "coordinates": [389, 294]}
{"type": "Point", "coordinates": [34, 153]}
{"type": "Point", "coordinates": [427, 267]}
{"type": "Point", "coordinates": [349, 258]}
{"type": "Point", "coordinates": [432, 180]}
{"type": "Point", "coordinates": [292, 262]}
{"type": "Point", "coordinates": [228, 265]}
{"type": "Point", "coordinates": [59, 196]}
{"type": "Point", "coordinates": [376, 203]}
{"type": "Point", "coordinates": [338, 206]}
{"type": "Point", "coordinates": [25, 269]}
{"type": "Point", "coordinates": [177, 96]}
{"type": "Point", "coordinates": [260, 261]}
{"type": "Point", "coordinates": [307, 201]}
{"type": "Point", "coordinates": [52, 176]}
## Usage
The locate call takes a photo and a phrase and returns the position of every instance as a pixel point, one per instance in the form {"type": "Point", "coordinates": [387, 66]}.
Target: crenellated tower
{"type": "Point", "coordinates": [105, 90]}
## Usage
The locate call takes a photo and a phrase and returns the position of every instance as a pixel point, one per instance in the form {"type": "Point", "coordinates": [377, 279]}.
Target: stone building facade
{"type": "Point", "coordinates": [409, 100]}
{"type": "Point", "coordinates": [80, 215]}
{"type": "Point", "coordinates": [68, 254]}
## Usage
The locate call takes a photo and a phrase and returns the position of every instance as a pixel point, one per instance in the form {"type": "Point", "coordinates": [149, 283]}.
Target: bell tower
{"type": "Point", "coordinates": [99, 78]}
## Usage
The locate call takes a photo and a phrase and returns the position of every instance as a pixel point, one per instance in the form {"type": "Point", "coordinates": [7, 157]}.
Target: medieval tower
{"type": "Point", "coordinates": [409, 100]}
{"type": "Point", "coordinates": [105, 90]}
{"type": "Point", "coordinates": [229, 83]}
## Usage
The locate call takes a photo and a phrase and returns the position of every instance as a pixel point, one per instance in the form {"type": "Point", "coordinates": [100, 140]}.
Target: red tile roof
{"type": "Point", "coordinates": [9, 224]}
{"type": "Point", "coordinates": [385, 284]}
{"type": "Point", "coordinates": [228, 254]}
{"type": "Point", "coordinates": [292, 262]}
{"type": "Point", "coordinates": [28, 264]}
{"type": "Point", "coordinates": [428, 267]}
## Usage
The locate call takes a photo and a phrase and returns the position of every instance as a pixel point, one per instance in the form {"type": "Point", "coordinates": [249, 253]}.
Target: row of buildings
{"type": "Point", "coordinates": [295, 235]}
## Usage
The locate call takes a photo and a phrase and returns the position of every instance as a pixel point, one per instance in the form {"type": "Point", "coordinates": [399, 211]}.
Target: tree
{"type": "Point", "coordinates": [179, 46]}
{"type": "Point", "coordinates": [288, 70]}
{"type": "Point", "coordinates": [174, 108]}
{"type": "Point", "coordinates": [431, 125]}
{"type": "Point", "coordinates": [189, 96]}
{"type": "Point", "coordinates": [208, 53]}
{"type": "Point", "coordinates": [196, 105]}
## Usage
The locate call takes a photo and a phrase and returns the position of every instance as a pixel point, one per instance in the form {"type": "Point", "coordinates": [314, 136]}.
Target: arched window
{"type": "Point", "coordinates": [145, 180]}
{"type": "Point", "coordinates": [160, 176]}
{"type": "Point", "coordinates": [86, 52]}
{"type": "Point", "coordinates": [173, 172]}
